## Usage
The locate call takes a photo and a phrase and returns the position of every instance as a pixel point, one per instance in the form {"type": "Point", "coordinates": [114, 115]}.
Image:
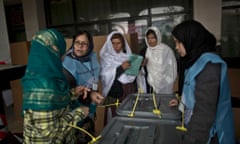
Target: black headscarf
{"type": "Point", "coordinates": [196, 40]}
{"type": "Point", "coordinates": [85, 57]}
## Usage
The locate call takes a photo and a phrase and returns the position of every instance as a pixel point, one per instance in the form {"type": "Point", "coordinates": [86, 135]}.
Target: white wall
{"type": "Point", "coordinates": [34, 16]}
{"type": "Point", "coordinates": [209, 13]}
{"type": "Point", "coordinates": [4, 41]}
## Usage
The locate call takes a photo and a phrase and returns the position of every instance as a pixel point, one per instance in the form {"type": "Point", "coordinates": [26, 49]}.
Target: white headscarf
{"type": "Point", "coordinates": [161, 66]}
{"type": "Point", "coordinates": [110, 60]}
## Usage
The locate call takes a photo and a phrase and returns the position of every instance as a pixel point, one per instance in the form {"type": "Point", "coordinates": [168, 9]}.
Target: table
{"type": "Point", "coordinates": [8, 72]}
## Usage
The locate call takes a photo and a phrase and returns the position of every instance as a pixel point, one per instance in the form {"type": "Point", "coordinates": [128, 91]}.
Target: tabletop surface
{"type": "Point", "coordinates": [9, 66]}
{"type": "Point", "coordinates": [10, 72]}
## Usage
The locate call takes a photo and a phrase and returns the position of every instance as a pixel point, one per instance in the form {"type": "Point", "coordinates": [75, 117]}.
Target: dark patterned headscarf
{"type": "Point", "coordinates": [196, 40]}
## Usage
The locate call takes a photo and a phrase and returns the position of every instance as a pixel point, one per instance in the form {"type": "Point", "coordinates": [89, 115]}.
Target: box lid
{"type": "Point", "coordinates": [124, 130]}
{"type": "Point", "coordinates": [145, 106]}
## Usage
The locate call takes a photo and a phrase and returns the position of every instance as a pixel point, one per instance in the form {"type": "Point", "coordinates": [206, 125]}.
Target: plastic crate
{"type": "Point", "coordinates": [145, 106]}
{"type": "Point", "coordinates": [124, 130]}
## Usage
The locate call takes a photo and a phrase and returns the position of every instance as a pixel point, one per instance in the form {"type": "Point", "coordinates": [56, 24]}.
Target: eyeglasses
{"type": "Point", "coordinates": [82, 44]}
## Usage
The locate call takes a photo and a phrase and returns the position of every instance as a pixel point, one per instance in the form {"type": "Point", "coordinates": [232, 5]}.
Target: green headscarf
{"type": "Point", "coordinates": [44, 84]}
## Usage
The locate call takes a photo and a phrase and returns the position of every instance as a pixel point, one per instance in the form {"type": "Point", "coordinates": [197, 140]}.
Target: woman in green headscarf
{"type": "Point", "coordinates": [46, 96]}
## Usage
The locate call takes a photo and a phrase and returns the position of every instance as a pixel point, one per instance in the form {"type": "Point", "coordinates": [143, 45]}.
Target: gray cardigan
{"type": "Point", "coordinates": [206, 96]}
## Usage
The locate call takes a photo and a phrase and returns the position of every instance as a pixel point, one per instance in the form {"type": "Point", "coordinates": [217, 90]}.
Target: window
{"type": "Point", "coordinates": [102, 17]}
{"type": "Point", "coordinates": [230, 29]}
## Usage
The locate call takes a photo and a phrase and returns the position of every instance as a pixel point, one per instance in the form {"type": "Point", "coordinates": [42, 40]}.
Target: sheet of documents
{"type": "Point", "coordinates": [136, 61]}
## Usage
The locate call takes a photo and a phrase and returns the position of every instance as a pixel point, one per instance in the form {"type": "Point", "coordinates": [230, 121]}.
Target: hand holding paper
{"type": "Point", "coordinates": [135, 61]}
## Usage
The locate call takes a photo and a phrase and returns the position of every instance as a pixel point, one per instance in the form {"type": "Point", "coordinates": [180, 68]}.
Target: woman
{"type": "Point", "coordinates": [114, 57]}
{"type": "Point", "coordinates": [46, 96]}
{"type": "Point", "coordinates": [206, 99]}
{"type": "Point", "coordinates": [82, 69]}
{"type": "Point", "coordinates": [160, 63]}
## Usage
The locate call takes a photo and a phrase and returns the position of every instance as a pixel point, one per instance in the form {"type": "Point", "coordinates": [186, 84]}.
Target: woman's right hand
{"type": "Point", "coordinates": [125, 65]}
{"type": "Point", "coordinates": [144, 62]}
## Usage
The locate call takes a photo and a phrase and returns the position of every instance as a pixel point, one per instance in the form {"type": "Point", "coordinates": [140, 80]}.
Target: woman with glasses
{"type": "Point", "coordinates": [82, 70]}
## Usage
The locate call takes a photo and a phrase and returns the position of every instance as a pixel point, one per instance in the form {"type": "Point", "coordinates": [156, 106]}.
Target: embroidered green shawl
{"type": "Point", "coordinates": [44, 84]}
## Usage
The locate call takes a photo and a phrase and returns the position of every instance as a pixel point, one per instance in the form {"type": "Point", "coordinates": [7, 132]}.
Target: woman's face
{"type": "Point", "coordinates": [180, 47]}
{"type": "Point", "coordinates": [81, 44]}
{"type": "Point", "coordinates": [152, 41]}
{"type": "Point", "coordinates": [117, 45]}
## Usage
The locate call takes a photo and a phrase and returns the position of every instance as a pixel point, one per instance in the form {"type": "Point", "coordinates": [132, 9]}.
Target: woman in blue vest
{"type": "Point", "coordinates": [82, 70]}
{"type": "Point", "coordinates": [206, 98]}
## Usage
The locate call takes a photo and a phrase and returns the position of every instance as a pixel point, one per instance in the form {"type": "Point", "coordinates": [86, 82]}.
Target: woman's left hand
{"type": "Point", "coordinates": [81, 90]}
{"type": "Point", "coordinates": [96, 97]}
{"type": "Point", "coordinates": [173, 102]}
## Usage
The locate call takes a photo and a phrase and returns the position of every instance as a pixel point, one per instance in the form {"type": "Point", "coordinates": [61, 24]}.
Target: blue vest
{"type": "Point", "coordinates": [82, 73]}
{"type": "Point", "coordinates": [223, 124]}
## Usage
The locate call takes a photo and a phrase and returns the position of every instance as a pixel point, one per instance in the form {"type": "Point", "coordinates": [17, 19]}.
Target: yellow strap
{"type": "Point", "coordinates": [113, 104]}
{"type": "Point", "coordinates": [135, 104]}
{"type": "Point", "coordinates": [94, 139]}
{"type": "Point", "coordinates": [155, 109]}
{"type": "Point", "coordinates": [154, 101]}
{"type": "Point", "coordinates": [182, 127]}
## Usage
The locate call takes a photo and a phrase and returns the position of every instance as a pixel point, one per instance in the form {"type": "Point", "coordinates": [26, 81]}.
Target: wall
{"type": "Point", "coordinates": [34, 16]}
{"type": "Point", "coordinates": [4, 41]}
{"type": "Point", "coordinates": [209, 13]}
{"type": "Point", "coordinates": [234, 80]}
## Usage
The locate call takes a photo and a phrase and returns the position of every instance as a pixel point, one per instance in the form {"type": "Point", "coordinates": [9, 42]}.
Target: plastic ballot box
{"type": "Point", "coordinates": [125, 130]}
{"type": "Point", "coordinates": [149, 106]}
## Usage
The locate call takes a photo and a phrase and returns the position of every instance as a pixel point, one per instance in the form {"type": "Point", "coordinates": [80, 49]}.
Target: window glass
{"type": "Point", "coordinates": [132, 16]}
{"type": "Point", "coordinates": [121, 26]}
{"type": "Point", "coordinates": [230, 29]}
{"type": "Point", "coordinates": [95, 28]}
{"type": "Point", "coordinates": [92, 10]}
{"type": "Point", "coordinates": [61, 12]}
{"type": "Point", "coordinates": [165, 18]}
{"type": "Point", "coordinates": [67, 31]}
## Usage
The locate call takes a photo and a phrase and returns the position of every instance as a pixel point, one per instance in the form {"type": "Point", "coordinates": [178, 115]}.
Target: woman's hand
{"type": "Point", "coordinates": [96, 97]}
{"type": "Point", "coordinates": [173, 102]}
{"type": "Point", "coordinates": [85, 110]}
{"type": "Point", "coordinates": [144, 63]}
{"type": "Point", "coordinates": [125, 65]}
{"type": "Point", "coordinates": [81, 90]}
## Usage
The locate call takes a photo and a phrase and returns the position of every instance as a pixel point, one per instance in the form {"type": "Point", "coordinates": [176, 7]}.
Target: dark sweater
{"type": "Point", "coordinates": [206, 97]}
{"type": "Point", "coordinates": [116, 89]}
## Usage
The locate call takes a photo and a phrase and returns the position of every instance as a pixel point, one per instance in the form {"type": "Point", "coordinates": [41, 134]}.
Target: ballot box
{"type": "Point", "coordinates": [125, 130]}
{"type": "Point", "coordinates": [145, 107]}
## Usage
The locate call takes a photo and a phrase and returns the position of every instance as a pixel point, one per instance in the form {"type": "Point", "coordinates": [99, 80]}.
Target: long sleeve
{"type": "Point", "coordinates": [206, 96]}
{"type": "Point", "coordinates": [71, 80]}
{"type": "Point", "coordinates": [116, 89]}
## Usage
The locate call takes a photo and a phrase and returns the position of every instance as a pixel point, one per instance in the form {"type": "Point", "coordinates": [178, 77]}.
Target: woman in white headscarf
{"type": "Point", "coordinates": [114, 57]}
{"type": "Point", "coordinates": [161, 63]}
